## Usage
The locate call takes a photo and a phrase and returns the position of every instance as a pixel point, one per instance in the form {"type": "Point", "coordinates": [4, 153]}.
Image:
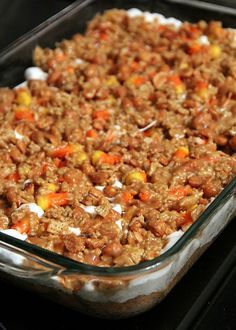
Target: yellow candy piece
{"type": "Point", "coordinates": [192, 208]}
{"type": "Point", "coordinates": [43, 202]}
{"type": "Point", "coordinates": [96, 156]}
{"type": "Point", "coordinates": [112, 81]}
{"type": "Point", "coordinates": [180, 89]}
{"type": "Point", "coordinates": [215, 51]}
{"type": "Point", "coordinates": [80, 157]}
{"type": "Point", "coordinates": [203, 93]}
{"type": "Point", "coordinates": [135, 176]}
{"type": "Point", "coordinates": [77, 147]}
{"type": "Point", "coordinates": [184, 149]}
{"type": "Point", "coordinates": [23, 98]}
{"type": "Point", "coordinates": [51, 187]}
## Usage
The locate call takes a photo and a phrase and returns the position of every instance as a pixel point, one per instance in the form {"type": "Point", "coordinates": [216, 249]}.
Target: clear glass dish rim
{"type": "Point", "coordinates": [75, 266]}
{"type": "Point", "coordinates": [72, 265]}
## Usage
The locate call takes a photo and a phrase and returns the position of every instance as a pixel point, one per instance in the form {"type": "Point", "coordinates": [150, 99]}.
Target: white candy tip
{"type": "Point", "coordinates": [134, 12]}
{"type": "Point", "coordinates": [34, 208]}
{"type": "Point", "coordinates": [119, 224]}
{"type": "Point", "coordinates": [117, 184]}
{"type": "Point", "coordinates": [18, 136]}
{"type": "Point", "coordinates": [204, 40]}
{"type": "Point", "coordinates": [79, 61]}
{"type": "Point", "coordinates": [101, 188]}
{"type": "Point", "coordinates": [35, 73]}
{"type": "Point", "coordinates": [117, 208]}
{"type": "Point", "coordinates": [91, 209]}
{"type": "Point", "coordinates": [75, 231]}
{"type": "Point", "coordinates": [150, 17]}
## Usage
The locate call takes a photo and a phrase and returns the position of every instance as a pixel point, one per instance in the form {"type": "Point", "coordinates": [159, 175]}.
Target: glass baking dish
{"type": "Point", "coordinates": [106, 292]}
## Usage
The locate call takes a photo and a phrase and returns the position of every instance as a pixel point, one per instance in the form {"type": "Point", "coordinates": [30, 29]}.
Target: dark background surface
{"type": "Point", "coordinates": [203, 299]}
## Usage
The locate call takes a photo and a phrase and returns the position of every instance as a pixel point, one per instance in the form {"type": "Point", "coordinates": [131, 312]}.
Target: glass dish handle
{"type": "Point", "coordinates": [20, 263]}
